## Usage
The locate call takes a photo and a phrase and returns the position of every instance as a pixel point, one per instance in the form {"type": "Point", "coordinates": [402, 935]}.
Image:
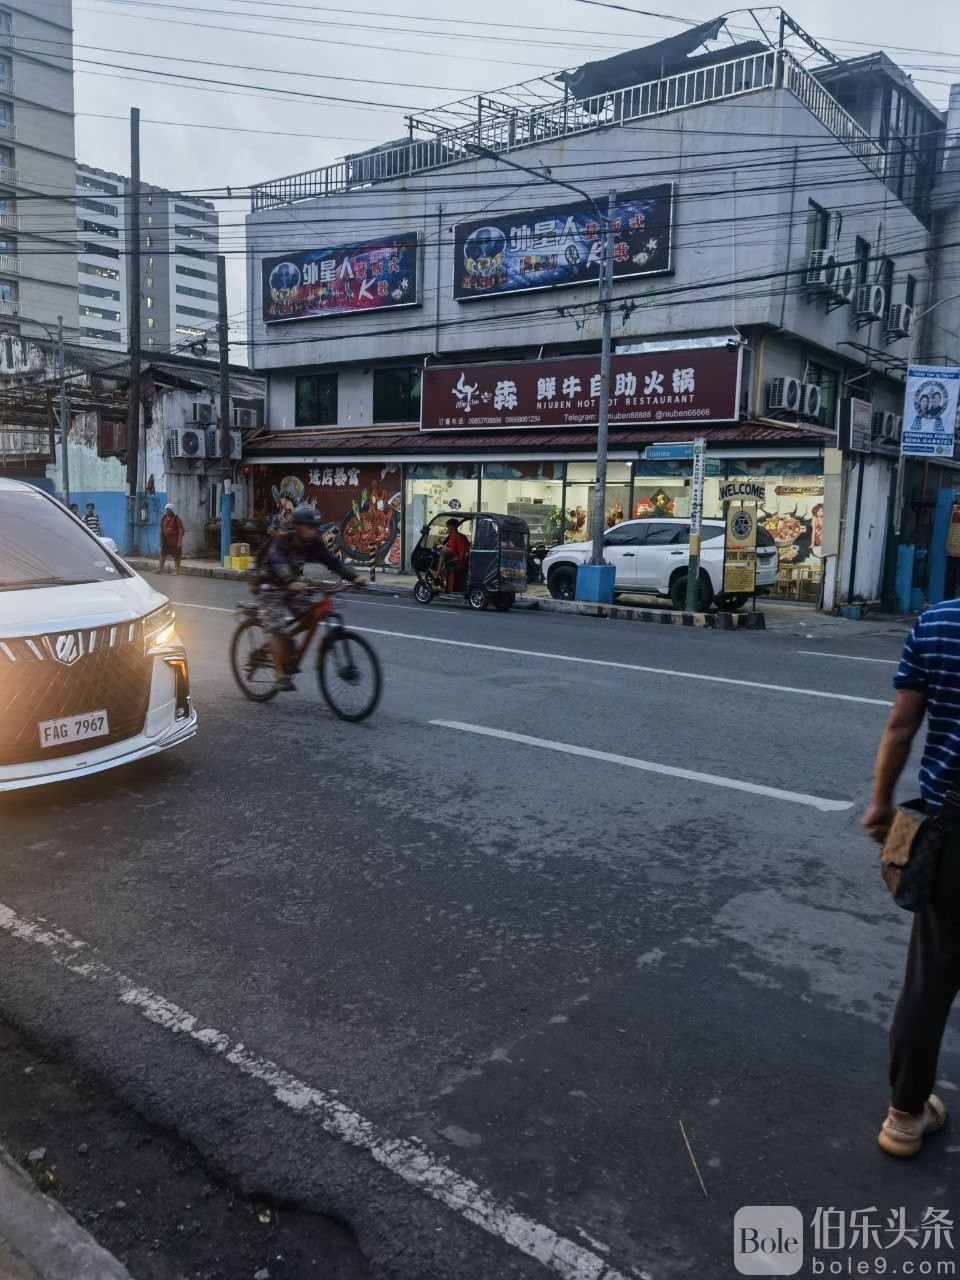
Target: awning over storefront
{"type": "Point", "coordinates": [277, 446]}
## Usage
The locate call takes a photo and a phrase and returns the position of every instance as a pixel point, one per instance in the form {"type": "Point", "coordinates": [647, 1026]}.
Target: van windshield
{"type": "Point", "coordinates": [41, 546]}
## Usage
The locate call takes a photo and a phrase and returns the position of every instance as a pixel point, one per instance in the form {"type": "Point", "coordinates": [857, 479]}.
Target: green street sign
{"type": "Point", "coordinates": [713, 467]}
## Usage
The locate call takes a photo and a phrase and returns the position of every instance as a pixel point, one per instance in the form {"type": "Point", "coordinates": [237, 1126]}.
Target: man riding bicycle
{"type": "Point", "coordinates": [283, 592]}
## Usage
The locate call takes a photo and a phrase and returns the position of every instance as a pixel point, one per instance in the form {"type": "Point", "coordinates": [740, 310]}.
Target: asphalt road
{"type": "Point", "coordinates": [476, 993]}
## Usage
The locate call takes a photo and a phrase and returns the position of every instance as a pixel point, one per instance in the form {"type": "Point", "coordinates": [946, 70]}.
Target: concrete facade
{"type": "Point", "coordinates": [37, 276]}
{"type": "Point", "coordinates": [763, 176]}
{"type": "Point", "coordinates": [97, 453]}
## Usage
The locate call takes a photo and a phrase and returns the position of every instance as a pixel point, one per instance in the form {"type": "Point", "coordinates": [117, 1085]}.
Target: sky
{"type": "Point", "coordinates": [361, 68]}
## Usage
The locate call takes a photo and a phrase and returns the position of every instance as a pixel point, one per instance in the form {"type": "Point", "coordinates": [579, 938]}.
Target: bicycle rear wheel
{"type": "Point", "coordinates": [251, 662]}
{"type": "Point", "coordinates": [349, 675]}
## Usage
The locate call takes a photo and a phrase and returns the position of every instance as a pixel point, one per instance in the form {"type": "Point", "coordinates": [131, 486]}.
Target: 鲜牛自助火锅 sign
{"type": "Point", "coordinates": [691, 386]}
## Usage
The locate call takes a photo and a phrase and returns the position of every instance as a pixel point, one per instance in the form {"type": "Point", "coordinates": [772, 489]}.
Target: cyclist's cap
{"type": "Point", "coordinates": [305, 515]}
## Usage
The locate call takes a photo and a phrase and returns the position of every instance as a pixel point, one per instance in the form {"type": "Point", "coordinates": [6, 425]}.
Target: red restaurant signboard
{"type": "Point", "coordinates": [699, 385]}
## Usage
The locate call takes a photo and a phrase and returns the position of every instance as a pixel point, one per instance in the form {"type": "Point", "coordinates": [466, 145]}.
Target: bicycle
{"type": "Point", "coordinates": [348, 671]}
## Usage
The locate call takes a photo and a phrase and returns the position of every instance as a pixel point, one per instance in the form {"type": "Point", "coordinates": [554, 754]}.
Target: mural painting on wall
{"type": "Point", "coordinates": [359, 505]}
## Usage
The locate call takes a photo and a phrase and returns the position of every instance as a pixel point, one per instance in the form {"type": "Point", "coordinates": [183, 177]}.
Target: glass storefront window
{"type": "Point", "coordinates": [581, 489]}
{"type": "Point", "coordinates": [432, 488]}
{"type": "Point", "coordinates": [531, 490]}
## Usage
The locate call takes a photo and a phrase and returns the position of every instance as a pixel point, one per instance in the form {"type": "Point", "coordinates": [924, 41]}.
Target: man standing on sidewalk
{"type": "Point", "coordinates": [927, 682]}
{"type": "Point", "coordinates": [171, 538]}
{"type": "Point", "coordinates": [92, 520]}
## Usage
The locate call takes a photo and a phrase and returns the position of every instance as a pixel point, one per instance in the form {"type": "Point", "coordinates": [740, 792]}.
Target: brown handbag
{"type": "Point", "coordinates": [911, 852]}
{"type": "Point", "coordinates": [895, 853]}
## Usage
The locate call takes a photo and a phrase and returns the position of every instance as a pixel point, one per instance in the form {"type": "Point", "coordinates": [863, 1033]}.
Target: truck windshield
{"type": "Point", "coordinates": [41, 546]}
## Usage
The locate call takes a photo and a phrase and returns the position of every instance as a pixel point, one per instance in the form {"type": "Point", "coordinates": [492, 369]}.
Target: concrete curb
{"type": "Point", "coordinates": [187, 570]}
{"type": "Point", "coordinates": [665, 617]}
{"type": "Point", "coordinates": [40, 1241]}
{"type": "Point", "coordinates": [625, 613]}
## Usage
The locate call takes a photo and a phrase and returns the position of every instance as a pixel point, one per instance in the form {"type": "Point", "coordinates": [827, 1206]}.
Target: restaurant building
{"type": "Point", "coordinates": [427, 317]}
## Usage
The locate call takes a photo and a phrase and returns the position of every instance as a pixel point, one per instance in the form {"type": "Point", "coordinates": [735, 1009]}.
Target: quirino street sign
{"type": "Point", "coordinates": [676, 451]}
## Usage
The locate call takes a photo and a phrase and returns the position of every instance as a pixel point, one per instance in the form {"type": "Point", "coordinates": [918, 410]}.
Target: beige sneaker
{"type": "Point", "coordinates": [902, 1134]}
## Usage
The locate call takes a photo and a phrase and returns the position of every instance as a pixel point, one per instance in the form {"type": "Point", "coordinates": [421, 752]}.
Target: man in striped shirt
{"type": "Point", "coordinates": [927, 683]}
{"type": "Point", "coordinates": [92, 520]}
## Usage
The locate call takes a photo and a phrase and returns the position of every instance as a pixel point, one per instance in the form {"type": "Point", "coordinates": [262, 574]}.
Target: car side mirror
{"type": "Point", "coordinates": [108, 543]}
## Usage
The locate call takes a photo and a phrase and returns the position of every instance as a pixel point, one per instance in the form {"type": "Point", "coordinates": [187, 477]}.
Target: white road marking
{"type": "Point", "coordinates": [650, 766]}
{"type": "Point", "coordinates": [627, 666]}
{"type": "Point", "coordinates": [591, 662]}
{"type": "Point", "coordinates": [848, 657]}
{"type": "Point", "coordinates": [408, 1158]}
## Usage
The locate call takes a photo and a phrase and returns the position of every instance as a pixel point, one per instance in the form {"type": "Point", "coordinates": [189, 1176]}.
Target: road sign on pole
{"type": "Point", "coordinates": [696, 517]}
{"type": "Point", "coordinates": [669, 451]}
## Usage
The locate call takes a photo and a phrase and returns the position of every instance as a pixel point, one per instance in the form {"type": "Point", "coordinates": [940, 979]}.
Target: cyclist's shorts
{"type": "Point", "coordinates": [275, 611]}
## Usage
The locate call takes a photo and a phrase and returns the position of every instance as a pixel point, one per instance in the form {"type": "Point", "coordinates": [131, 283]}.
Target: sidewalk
{"type": "Point", "coordinates": [784, 616]}
{"type": "Point", "coordinates": [40, 1241]}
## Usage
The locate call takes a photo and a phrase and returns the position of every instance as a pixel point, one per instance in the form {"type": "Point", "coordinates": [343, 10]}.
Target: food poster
{"type": "Point", "coordinates": [792, 513]}
{"type": "Point", "coordinates": [359, 505]}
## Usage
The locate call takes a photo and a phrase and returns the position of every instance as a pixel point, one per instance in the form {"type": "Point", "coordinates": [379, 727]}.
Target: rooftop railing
{"type": "Point", "coordinates": [504, 127]}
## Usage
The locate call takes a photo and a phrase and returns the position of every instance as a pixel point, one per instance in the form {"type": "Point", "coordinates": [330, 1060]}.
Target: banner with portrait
{"type": "Point", "coordinates": [930, 411]}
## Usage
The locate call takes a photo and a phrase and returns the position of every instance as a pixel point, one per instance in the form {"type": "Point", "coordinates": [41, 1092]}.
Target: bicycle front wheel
{"type": "Point", "coordinates": [251, 662]}
{"type": "Point", "coordinates": [349, 675]}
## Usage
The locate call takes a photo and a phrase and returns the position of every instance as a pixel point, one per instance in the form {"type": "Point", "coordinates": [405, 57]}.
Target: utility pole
{"type": "Point", "coordinates": [64, 433]}
{"type": "Point", "coordinates": [597, 578]}
{"type": "Point", "coordinates": [133, 308]}
{"type": "Point", "coordinates": [603, 411]}
{"type": "Point", "coordinates": [226, 466]}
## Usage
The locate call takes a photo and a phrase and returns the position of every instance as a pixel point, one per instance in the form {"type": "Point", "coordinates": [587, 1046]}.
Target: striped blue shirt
{"type": "Point", "coordinates": [931, 664]}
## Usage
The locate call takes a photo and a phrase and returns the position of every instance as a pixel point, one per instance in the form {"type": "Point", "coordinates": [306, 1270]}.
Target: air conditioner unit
{"type": "Point", "coordinates": [870, 302]}
{"type": "Point", "coordinates": [846, 283]}
{"type": "Point", "coordinates": [822, 271]}
{"type": "Point", "coordinates": [811, 399]}
{"type": "Point", "coordinates": [202, 412]}
{"type": "Point", "coordinates": [187, 442]}
{"type": "Point", "coordinates": [887, 426]}
{"type": "Point", "coordinates": [784, 393]}
{"type": "Point", "coordinates": [213, 444]}
{"type": "Point", "coordinates": [899, 320]}
{"type": "Point", "coordinates": [244, 419]}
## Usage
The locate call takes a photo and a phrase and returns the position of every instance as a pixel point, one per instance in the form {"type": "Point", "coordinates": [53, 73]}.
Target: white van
{"type": "Point", "coordinates": [92, 672]}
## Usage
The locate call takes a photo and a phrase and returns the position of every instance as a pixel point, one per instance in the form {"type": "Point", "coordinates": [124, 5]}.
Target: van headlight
{"type": "Point", "coordinates": [158, 628]}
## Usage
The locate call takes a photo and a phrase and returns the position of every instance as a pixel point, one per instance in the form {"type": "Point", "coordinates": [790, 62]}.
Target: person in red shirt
{"type": "Point", "coordinates": [171, 538]}
{"type": "Point", "coordinates": [452, 553]}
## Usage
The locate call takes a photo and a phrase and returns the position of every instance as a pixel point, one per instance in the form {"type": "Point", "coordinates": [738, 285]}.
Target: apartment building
{"type": "Point", "coordinates": [37, 236]}
{"type": "Point", "coordinates": [178, 283]}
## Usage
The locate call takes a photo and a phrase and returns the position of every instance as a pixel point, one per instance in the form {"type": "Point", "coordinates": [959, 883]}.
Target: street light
{"type": "Point", "coordinates": [62, 375]}
{"type": "Point", "coordinates": [606, 293]}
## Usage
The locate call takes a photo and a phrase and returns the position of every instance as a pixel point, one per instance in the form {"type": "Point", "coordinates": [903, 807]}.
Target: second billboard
{"type": "Point", "coordinates": [562, 244]}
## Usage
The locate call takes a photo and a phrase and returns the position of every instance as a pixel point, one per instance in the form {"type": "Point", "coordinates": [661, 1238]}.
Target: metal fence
{"type": "Point", "coordinates": [504, 127]}
{"type": "Point", "coordinates": [24, 443]}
